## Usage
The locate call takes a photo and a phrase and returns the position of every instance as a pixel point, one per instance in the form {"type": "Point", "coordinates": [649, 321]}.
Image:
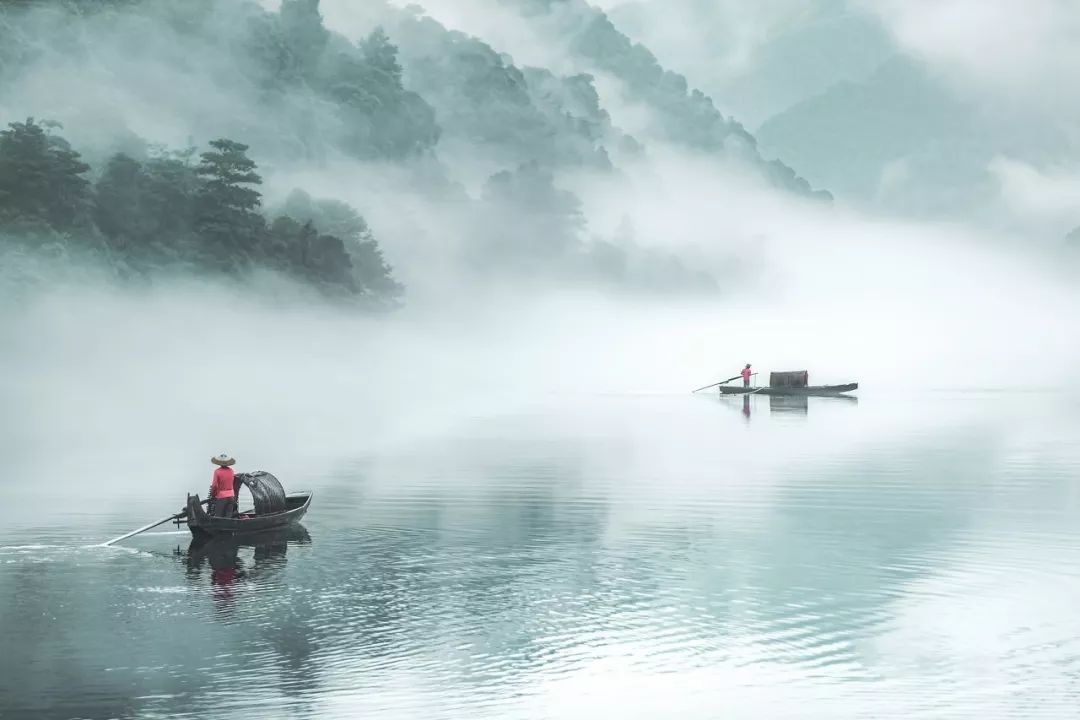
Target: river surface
{"type": "Point", "coordinates": [589, 557]}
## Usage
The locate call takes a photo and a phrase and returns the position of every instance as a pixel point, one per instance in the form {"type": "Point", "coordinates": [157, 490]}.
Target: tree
{"type": "Point", "coordinates": [382, 56]}
{"type": "Point", "coordinates": [287, 243]}
{"type": "Point", "coordinates": [373, 275]}
{"type": "Point", "coordinates": [479, 94]}
{"type": "Point", "coordinates": [266, 57]}
{"type": "Point", "coordinates": [304, 33]}
{"type": "Point", "coordinates": [320, 259]}
{"type": "Point", "coordinates": [68, 200]}
{"type": "Point", "coordinates": [170, 193]}
{"type": "Point", "coordinates": [226, 217]}
{"type": "Point", "coordinates": [24, 173]}
{"type": "Point", "coordinates": [167, 211]}
{"type": "Point", "coordinates": [118, 196]}
{"type": "Point", "coordinates": [146, 209]}
{"type": "Point", "coordinates": [41, 177]}
{"type": "Point", "coordinates": [368, 271]}
{"type": "Point", "coordinates": [326, 260]}
{"type": "Point", "coordinates": [381, 117]}
{"type": "Point", "coordinates": [547, 221]}
{"type": "Point", "coordinates": [332, 216]}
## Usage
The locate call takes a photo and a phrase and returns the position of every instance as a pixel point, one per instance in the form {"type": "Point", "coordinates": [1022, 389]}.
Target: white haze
{"type": "Point", "coordinates": [1000, 59]}
{"type": "Point", "coordinates": [160, 378]}
{"type": "Point", "coordinates": [1016, 52]}
{"type": "Point", "coordinates": [1008, 52]}
{"type": "Point", "coordinates": [757, 59]}
{"type": "Point", "coordinates": [1009, 58]}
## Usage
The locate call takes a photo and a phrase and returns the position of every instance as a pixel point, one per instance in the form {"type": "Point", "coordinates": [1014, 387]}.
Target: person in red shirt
{"type": "Point", "coordinates": [222, 489]}
{"type": "Point", "coordinates": [746, 375]}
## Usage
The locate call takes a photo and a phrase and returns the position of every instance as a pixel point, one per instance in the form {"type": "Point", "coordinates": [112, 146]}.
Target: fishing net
{"type": "Point", "coordinates": [266, 491]}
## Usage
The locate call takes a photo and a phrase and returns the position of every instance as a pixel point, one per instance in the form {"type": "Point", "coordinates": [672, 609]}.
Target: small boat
{"type": "Point", "coordinates": [790, 383]}
{"type": "Point", "coordinates": [816, 390]}
{"type": "Point", "coordinates": [273, 509]}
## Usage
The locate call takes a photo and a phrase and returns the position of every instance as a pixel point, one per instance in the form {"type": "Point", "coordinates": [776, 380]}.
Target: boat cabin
{"type": "Point", "coordinates": [791, 379]}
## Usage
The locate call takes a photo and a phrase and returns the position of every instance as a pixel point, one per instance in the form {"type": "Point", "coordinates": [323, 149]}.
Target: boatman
{"type": "Point", "coordinates": [222, 491]}
{"type": "Point", "coordinates": [746, 375]}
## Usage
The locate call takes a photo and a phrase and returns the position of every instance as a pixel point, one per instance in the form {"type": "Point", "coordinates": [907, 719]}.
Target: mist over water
{"type": "Point", "coordinates": [616, 554]}
{"type": "Point", "coordinates": [520, 509]}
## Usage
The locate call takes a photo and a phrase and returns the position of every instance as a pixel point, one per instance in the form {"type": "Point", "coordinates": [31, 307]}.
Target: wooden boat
{"type": "Point", "coordinates": [810, 390]}
{"type": "Point", "coordinates": [273, 509]}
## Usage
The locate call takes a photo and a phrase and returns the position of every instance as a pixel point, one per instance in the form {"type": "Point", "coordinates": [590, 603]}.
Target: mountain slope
{"type": "Point", "coordinates": [906, 140]}
{"type": "Point", "coordinates": [683, 115]}
{"type": "Point", "coordinates": [758, 59]}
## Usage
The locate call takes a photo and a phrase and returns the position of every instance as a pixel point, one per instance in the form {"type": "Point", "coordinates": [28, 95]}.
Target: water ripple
{"type": "Point", "coordinates": [648, 568]}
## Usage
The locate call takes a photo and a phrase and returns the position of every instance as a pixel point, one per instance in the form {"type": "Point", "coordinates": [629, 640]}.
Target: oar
{"type": "Point", "coordinates": [719, 383]}
{"type": "Point", "coordinates": [144, 529]}
{"type": "Point", "coordinates": [722, 382]}
{"type": "Point", "coordinates": [182, 513]}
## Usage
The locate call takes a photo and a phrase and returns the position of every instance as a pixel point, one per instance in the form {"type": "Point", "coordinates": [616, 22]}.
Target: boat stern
{"type": "Point", "coordinates": [196, 516]}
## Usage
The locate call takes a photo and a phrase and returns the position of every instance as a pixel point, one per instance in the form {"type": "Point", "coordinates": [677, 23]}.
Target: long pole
{"type": "Point", "coordinates": [720, 383]}
{"type": "Point", "coordinates": [143, 529]}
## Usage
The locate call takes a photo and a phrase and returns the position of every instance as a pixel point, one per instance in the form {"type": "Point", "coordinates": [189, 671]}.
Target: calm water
{"type": "Point", "coordinates": [624, 557]}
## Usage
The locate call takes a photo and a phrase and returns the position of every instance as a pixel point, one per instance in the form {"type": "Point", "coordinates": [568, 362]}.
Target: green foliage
{"type": "Point", "coordinates": [396, 122]}
{"type": "Point", "coordinates": [41, 177]}
{"type": "Point", "coordinates": [171, 186]}
{"type": "Point", "coordinates": [527, 219]}
{"type": "Point", "coordinates": [319, 259]}
{"type": "Point", "coordinates": [483, 99]}
{"type": "Point", "coordinates": [531, 190]}
{"type": "Point", "coordinates": [381, 57]}
{"type": "Point", "coordinates": [226, 170]}
{"type": "Point", "coordinates": [146, 210]}
{"type": "Point", "coordinates": [683, 116]}
{"type": "Point", "coordinates": [572, 101]}
{"type": "Point", "coordinates": [783, 176]}
{"type": "Point", "coordinates": [369, 270]}
{"type": "Point", "coordinates": [303, 33]}
{"type": "Point", "coordinates": [268, 55]}
{"type": "Point", "coordinates": [163, 211]}
{"type": "Point", "coordinates": [118, 209]}
{"type": "Point", "coordinates": [225, 207]}
{"type": "Point", "coordinates": [379, 117]}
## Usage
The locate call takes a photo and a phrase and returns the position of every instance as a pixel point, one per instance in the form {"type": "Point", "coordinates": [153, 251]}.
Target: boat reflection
{"type": "Point", "coordinates": [793, 404]}
{"type": "Point", "coordinates": [800, 404]}
{"type": "Point", "coordinates": [784, 404]}
{"type": "Point", "coordinates": [228, 565]}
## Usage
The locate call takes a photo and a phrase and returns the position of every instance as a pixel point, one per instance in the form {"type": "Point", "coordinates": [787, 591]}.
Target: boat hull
{"type": "Point", "coordinates": [813, 390]}
{"type": "Point", "coordinates": [202, 525]}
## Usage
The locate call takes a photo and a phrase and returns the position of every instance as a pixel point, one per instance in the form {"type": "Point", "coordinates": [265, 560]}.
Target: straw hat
{"type": "Point", "coordinates": [223, 460]}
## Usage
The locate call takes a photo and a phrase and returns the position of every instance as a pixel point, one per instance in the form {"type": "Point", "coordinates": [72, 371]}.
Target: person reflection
{"type": "Point", "coordinates": [267, 554]}
{"type": "Point", "coordinates": [746, 406]}
{"type": "Point", "coordinates": [225, 569]}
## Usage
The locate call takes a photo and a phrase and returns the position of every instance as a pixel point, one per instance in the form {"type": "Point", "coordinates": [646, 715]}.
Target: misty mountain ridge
{"type": "Point", "coordinates": [760, 66]}
{"type": "Point", "coordinates": [133, 86]}
{"type": "Point", "coordinates": [905, 140]}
